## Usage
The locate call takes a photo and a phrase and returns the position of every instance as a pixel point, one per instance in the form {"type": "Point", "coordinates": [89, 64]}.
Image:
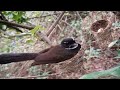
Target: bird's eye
{"type": "Point", "coordinates": [65, 42]}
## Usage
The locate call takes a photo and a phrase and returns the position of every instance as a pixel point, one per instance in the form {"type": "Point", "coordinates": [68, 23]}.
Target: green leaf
{"type": "Point", "coordinates": [113, 71]}
{"type": "Point", "coordinates": [37, 28]}
{"type": "Point", "coordinates": [19, 16]}
{"type": "Point", "coordinates": [29, 41]}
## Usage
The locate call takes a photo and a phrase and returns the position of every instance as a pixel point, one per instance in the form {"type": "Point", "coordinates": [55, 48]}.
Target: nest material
{"type": "Point", "coordinates": [101, 33]}
{"type": "Point", "coordinates": [99, 24]}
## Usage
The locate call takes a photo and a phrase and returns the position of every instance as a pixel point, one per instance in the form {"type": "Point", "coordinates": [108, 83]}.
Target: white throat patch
{"type": "Point", "coordinates": [74, 47]}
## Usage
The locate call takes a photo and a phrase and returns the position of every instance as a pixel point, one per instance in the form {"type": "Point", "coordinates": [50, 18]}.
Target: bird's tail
{"type": "Point", "coordinates": [16, 57]}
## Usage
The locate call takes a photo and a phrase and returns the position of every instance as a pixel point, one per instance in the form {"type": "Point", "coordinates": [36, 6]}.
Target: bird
{"type": "Point", "coordinates": [64, 51]}
{"type": "Point", "coordinates": [67, 49]}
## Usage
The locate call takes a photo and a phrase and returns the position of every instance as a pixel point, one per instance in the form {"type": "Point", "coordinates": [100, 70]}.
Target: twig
{"type": "Point", "coordinates": [44, 37]}
{"type": "Point", "coordinates": [26, 64]}
{"type": "Point", "coordinates": [16, 28]}
{"type": "Point", "coordinates": [50, 35]}
{"type": "Point", "coordinates": [4, 18]}
{"type": "Point", "coordinates": [17, 35]}
{"type": "Point", "coordinates": [44, 16]}
{"type": "Point", "coordinates": [15, 24]}
{"type": "Point", "coordinates": [78, 15]}
{"type": "Point", "coordinates": [59, 27]}
{"type": "Point", "coordinates": [55, 23]}
{"type": "Point", "coordinates": [68, 24]}
{"type": "Point", "coordinates": [41, 16]}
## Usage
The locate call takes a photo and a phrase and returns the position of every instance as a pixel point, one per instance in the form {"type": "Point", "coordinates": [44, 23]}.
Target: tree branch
{"type": "Point", "coordinates": [15, 24]}
{"type": "Point", "coordinates": [4, 19]}
{"type": "Point", "coordinates": [44, 37]}
{"type": "Point", "coordinates": [55, 23]}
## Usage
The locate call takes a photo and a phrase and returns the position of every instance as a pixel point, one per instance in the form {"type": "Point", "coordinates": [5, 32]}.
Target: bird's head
{"type": "Point", "coordinates": [69, 43]}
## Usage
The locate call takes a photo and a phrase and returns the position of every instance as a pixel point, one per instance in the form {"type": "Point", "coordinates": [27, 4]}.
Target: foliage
{"type": "Point", "coordinates": [37, 28]}
{"type": "Point", "coordinates": [17, 16]}
{"type": "Point", "coordinates": [113, 71]}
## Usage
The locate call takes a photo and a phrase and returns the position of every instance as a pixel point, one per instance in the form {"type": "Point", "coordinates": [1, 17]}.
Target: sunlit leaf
{"type": "Point", "coordinates": [112, 43]}
{"type": "Point", "coordinates": [29, 41]}
{"type": "Point", "coordinates": [37, 28]}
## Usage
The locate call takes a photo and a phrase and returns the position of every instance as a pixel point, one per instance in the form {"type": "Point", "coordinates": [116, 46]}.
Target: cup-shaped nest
{"type": "Point", "coordinates": [99, 24]}
{"type": "Point", "coordinates": [102, 33]}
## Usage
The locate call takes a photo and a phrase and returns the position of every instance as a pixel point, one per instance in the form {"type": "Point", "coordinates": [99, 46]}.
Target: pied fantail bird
{"type": "Point", "coordinates": [55, 54]}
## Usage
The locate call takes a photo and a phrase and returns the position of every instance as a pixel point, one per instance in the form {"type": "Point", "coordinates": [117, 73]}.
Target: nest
{"type": "Point", "coordinates": [102, 32]}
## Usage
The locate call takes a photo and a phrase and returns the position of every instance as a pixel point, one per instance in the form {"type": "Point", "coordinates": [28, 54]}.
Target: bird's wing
{"type": "Point", "coordinates": [45, 50]}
